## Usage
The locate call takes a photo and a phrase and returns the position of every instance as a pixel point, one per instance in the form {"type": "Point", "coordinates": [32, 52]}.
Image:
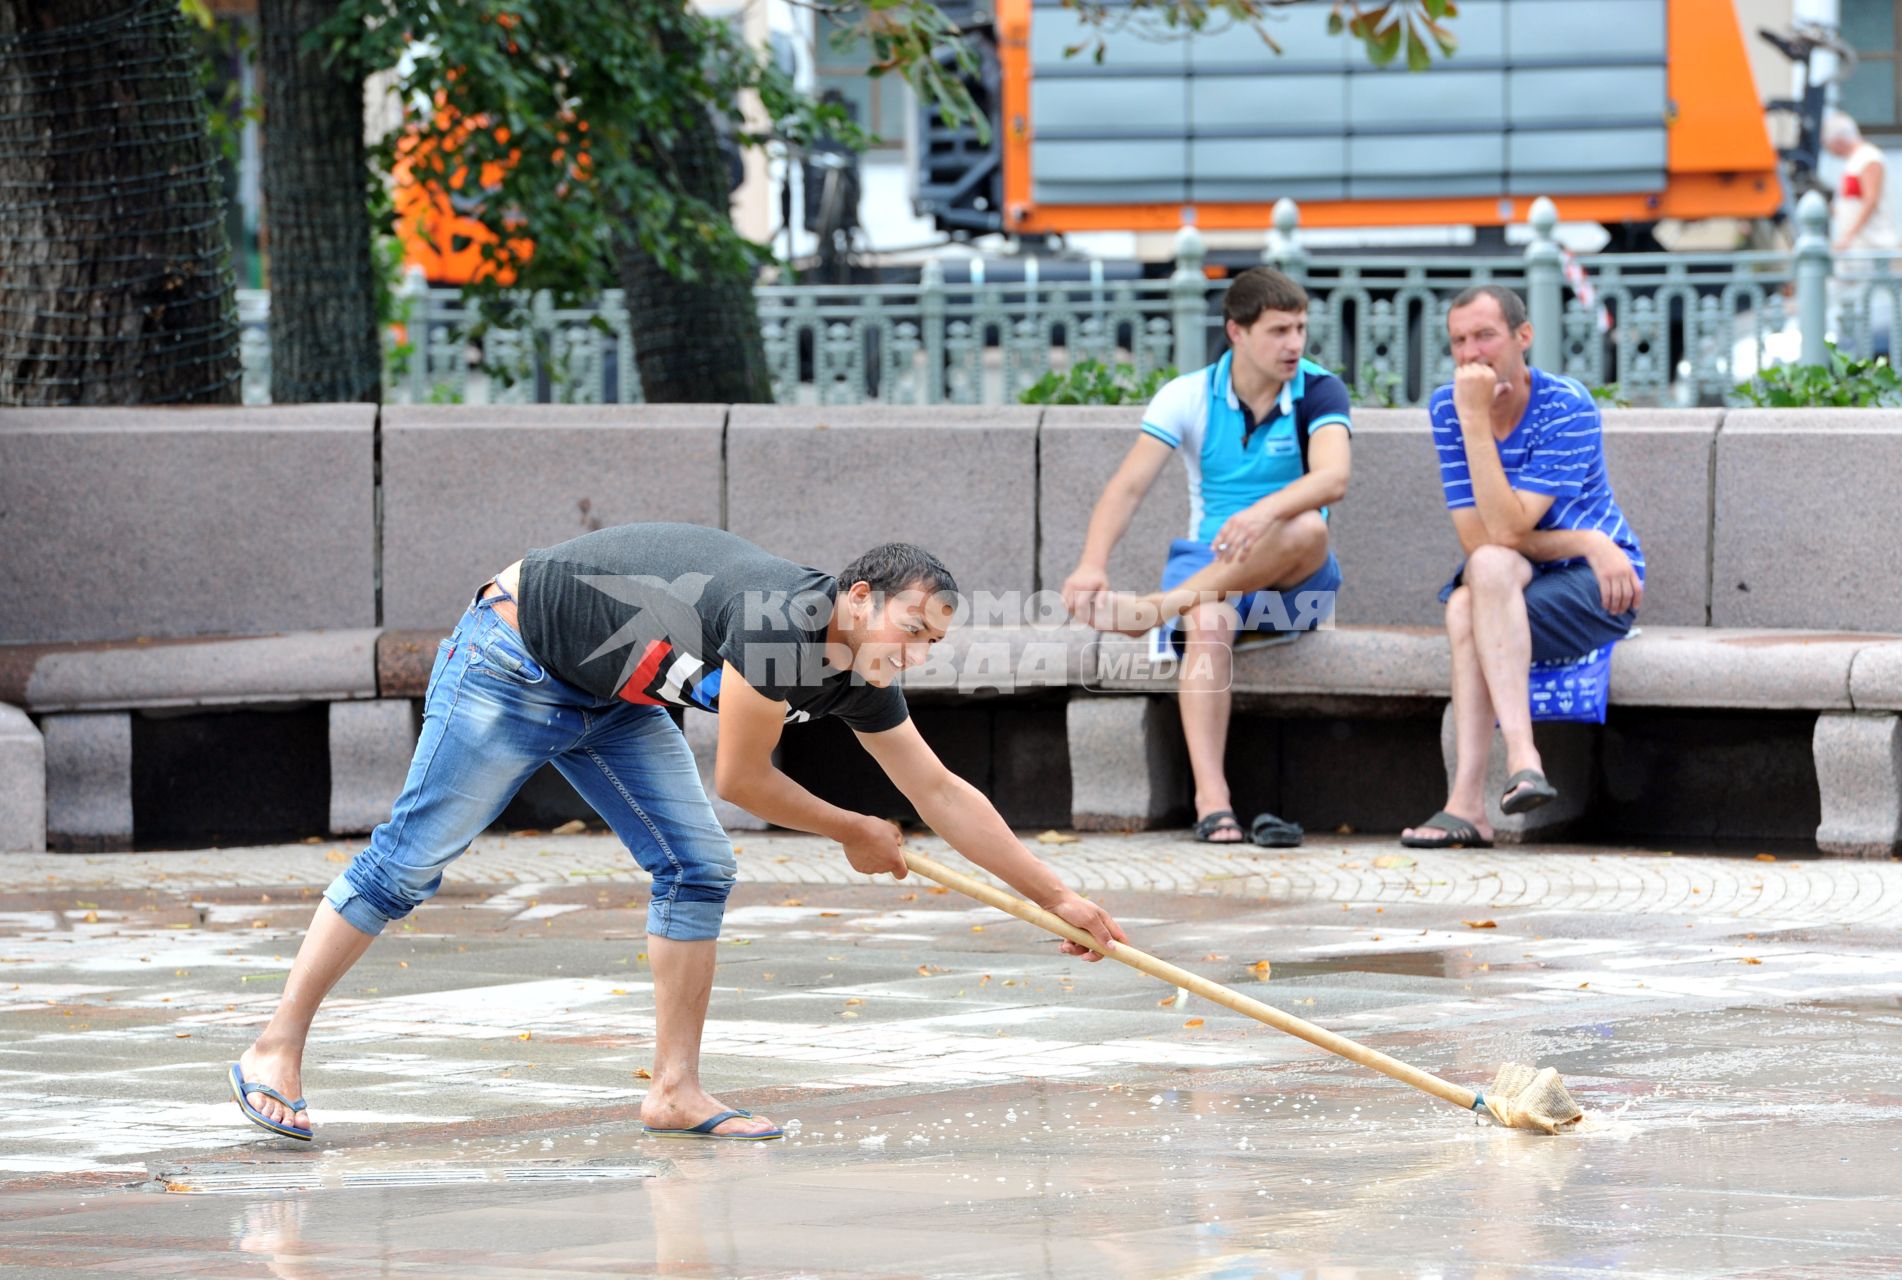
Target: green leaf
{"type": "Point", "coordinates": [1383, 45]}
{"type": "Point", "coordinates": [1418, 59]}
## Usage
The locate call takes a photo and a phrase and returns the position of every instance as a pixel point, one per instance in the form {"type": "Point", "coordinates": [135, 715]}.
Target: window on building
{"type": "Point", "coordinates": [1869, 27]}
{"type": "Point", "coordinates": [878, 103]}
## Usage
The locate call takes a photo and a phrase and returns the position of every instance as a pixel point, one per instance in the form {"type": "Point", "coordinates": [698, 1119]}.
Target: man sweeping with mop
{"type": "Point", "coordinates": [572, 656]}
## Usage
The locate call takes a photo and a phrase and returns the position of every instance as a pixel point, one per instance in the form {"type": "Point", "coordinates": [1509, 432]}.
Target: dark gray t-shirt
{"type": "Point", "coordinates": [648, 613]}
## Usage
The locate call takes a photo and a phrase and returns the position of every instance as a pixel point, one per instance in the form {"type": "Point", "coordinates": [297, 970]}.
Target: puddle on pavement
{"type": "Point", "coordinates": [253, 1178]}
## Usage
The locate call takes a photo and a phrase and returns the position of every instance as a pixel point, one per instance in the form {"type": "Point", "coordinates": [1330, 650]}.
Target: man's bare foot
{"type": "Point", "coordinates": [685, 1108]}
{"type": "Point", "coordinates": [279, 1069]}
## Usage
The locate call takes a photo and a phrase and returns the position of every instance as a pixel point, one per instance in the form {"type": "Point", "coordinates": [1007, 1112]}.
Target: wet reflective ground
{"type": "Point", "coordinates": [968, 1103]}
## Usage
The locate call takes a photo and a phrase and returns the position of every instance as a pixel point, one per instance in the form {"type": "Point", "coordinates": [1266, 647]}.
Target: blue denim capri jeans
{"type": "Point", "coordinates": [492, 716]}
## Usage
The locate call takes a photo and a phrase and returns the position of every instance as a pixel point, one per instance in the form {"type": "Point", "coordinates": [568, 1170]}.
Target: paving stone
{"type": "Point", "coordinates": [1585, 878]}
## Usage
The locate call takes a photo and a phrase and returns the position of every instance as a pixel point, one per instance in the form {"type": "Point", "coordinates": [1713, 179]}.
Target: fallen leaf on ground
{"type": "Point", "coordinates": [793, 902]}
{"type": "Point", "coordinates": [181, 1035]}
{"type": "Point", "coordinates": [1583, 985]}
{"type": "Point", "coordinates": [937, 888]}
{"type": "Point", "coordinates": [1260, 970]}
{"type": "Point", "coordinates": [847, 1013]}
{"type": "Point", "coordinates": [1480, 924]}
{"type": "Point", "coordinates": [1057, 837]}
{"type": "Point", "coordinates": [908, 897]}
{"type": "Point", "coordinates": [1166, 1001]}
{"type": "Point", "coordinates": [977, 928]}
{"type": "Point", "coordinates": [851, 1000]}
{"type": "Point", "coordinates": [1751, 960]}
{"type": "Point", "coordinates": [1193, 1022]}
{"type": "Point", "coordinates": [643, 1073]}
{"type": "Point", "coordinates": [1390, 860]}
{"type": "Point", "coordinates": [1766, 857]}
{"type": "Point", "coordinates": [572, 827]}
{"type": "Point", "coordinates": [526, 1035]}
{"type": "Point", "coordinates": [926, 970]}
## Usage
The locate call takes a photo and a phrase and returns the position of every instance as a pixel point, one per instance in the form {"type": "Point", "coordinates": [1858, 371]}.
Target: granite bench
{"type": "Point", "coordinates": [1126, 759]}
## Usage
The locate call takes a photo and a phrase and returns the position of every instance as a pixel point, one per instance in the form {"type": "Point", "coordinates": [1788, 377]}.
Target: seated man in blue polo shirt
{"type": "Point", "coordinates": [1552, 571]}
{"type": "Point", "coordinates": [1264, 435]}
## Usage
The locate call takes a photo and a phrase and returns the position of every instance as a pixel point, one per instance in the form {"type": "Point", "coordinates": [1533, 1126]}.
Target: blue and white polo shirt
{"type": "Point", "coordinates": [1233, 461]}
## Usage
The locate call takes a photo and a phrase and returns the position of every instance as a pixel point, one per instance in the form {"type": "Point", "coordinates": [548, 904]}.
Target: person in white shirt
{"type": "Point", "coordinates": [1861, 220]}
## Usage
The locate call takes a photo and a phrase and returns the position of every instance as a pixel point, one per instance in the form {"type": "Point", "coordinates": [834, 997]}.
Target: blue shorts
{"type": "Point", "coordinates": [1566, 611]}
{"type": "Point", "coordinates": [1306, 606]}
{"type": "Point", "coordinates": [493, 716]}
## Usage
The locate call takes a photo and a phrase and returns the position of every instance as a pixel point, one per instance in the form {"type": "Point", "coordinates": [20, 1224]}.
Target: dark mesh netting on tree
{"type": "Point", "coordinates": [115, 269]}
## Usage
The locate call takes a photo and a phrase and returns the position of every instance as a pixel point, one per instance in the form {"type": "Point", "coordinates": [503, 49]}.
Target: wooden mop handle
{"type": "Point", "coordinates": [1213, 991]}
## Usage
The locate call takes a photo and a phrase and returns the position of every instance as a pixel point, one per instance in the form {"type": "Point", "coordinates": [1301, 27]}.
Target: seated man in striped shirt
{"type": "Point", "coordinates": [1552, 568]}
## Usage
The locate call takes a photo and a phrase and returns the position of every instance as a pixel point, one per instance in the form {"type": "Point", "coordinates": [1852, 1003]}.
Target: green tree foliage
{"type": "Point", "coordinates": [1093, 382]}
{"type": "Point", "coordinates": [1842, 382]}
{"type": "Point", "coordinates": [560, 119]}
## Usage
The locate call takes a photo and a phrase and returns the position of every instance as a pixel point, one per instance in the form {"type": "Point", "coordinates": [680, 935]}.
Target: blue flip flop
{"type": "Point", "coordinates": [705, 1129]}
{"type": "Point", "coordinates": [241, 1091]}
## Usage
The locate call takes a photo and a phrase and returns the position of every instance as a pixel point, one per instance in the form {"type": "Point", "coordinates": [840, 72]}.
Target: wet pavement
{"type": "Point", "coordinates": [968, 1103]}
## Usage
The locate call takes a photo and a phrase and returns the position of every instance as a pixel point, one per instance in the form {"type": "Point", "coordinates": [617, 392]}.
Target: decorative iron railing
{"type": "Point", "coordinates": [1650, 329]}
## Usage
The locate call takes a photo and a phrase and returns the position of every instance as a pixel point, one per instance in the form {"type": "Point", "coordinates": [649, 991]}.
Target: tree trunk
{"type": "Point", "coordinates": [323, 281]}
{"type": "Point", "coordinates": [115, 268]}
{"type": "Point", "coordinates": [696, 341]}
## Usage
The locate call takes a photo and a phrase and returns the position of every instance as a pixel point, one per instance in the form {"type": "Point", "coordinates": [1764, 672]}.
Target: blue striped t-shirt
{"type": "Point", "coordinates": [1558, 448]}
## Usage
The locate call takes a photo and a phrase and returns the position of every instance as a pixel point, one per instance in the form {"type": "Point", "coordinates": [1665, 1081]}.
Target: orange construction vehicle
{"type": "Point", "coordinates": [1625, 111]}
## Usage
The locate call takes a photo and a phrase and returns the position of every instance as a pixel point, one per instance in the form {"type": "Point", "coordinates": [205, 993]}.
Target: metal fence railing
{"type": "Point", "coordinates": [1677, 329]}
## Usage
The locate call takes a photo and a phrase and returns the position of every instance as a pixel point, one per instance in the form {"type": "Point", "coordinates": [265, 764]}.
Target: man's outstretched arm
{"type": "Point", "coordinates": [744, 774]}
{"type": "Point", "coordinates": [1109, 521]}
{"type": "Point", "coordinates": [970, 824]}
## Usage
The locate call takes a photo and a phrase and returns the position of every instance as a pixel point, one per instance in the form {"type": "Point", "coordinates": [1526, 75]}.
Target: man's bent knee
{"type": "Point", "coordinates": [1303, 549]}
{"type": "Point", "coordinates": [1492, 568]}
{"type": "Point", "coordinates": [689, 900]}
{"type": "Point", "coordinates": [369, 897]}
